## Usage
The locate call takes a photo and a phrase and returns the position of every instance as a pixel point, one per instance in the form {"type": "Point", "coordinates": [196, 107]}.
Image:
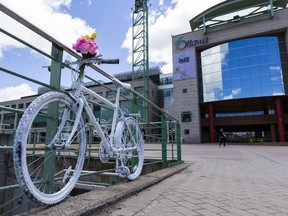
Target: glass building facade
{"type": "Point", "coordinates": [242, 69]}
{"type": "Point", "coordinates": [240, 81]}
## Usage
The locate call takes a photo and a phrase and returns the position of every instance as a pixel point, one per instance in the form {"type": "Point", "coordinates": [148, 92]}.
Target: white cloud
{"type": "Point", "coordinates": [15, 92]}
{"type": "Point", "coordinates": [173, 20]}
{"type": "Point", "coordinates": [49, 16]}
{"type": "Point", "coordinates": [43, 14]}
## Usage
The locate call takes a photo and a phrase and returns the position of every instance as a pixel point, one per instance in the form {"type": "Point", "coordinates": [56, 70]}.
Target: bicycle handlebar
{"type": "Point", "coordinates": [109, 61]}
{"type": "Point", "coordinates": [95, 60]}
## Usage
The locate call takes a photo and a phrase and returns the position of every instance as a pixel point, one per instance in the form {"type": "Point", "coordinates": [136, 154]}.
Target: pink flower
{"type": "Point", "coordinates": [85, 45]}
{"type": "Point", "coordinates": [91, 47]}
{"type": "Point", "coordinates": [80, 45]}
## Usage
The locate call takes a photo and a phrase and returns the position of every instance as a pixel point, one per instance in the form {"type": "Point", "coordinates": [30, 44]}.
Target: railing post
{"type": "Point", "coordinates": [55, 80]}
{"type": "Point", "coordinates": [164, 141]}
{"type": "Point", "coordinates": [178, 141]}
{"type": "Point", "coordinates": [55, 76]}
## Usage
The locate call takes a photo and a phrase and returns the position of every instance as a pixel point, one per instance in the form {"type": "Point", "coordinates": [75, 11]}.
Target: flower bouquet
{"type": "Point", "coordinates": [86, 45]}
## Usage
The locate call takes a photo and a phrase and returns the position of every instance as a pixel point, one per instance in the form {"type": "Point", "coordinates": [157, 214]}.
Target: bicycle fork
{"type": "Point", "coordinates": [65, 142]}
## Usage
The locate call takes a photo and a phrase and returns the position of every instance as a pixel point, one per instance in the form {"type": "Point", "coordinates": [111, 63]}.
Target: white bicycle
{"type": "Point", "coordinates": [50, 141]}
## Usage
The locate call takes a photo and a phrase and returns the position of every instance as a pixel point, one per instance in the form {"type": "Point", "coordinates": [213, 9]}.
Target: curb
{"type": "Point", "coordinates": [94, 201]}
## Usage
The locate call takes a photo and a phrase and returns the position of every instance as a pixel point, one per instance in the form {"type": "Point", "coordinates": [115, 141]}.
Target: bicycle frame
{"type": "Point", "coordinates": [78, 95]}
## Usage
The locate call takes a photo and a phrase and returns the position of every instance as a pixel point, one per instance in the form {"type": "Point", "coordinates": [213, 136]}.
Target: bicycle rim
{"type": "Point", "coordinates": [47, 175]}
{"type": "Point", "coordinates": [129, 137]}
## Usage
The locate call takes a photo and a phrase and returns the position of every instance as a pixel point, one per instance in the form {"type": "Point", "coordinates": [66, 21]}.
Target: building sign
{"type": "Point", "coordinates": [181, 44]}
{"type": "Point", "coordinates": [184, 65]}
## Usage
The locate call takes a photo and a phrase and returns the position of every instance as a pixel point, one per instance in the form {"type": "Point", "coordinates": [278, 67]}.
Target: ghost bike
{"type": "Point", "coordinates": [50, 140]}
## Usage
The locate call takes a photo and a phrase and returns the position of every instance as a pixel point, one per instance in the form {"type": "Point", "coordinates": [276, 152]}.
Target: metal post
{"type": "Point", "coordinates": [55, 79]}
{"type": "Point", "coordinates": [178, 141]}
{"type": "Point", "coordinates": [204, 24]}
{"type": "Point", "coordinates": [271, 8]}
{"type": "Point", "coordinates": [55, 76]}
{"type": "Point", "coordinates": [164, 141]}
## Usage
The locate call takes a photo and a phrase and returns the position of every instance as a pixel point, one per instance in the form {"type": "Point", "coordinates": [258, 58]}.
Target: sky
{"type": "Point", "coordinates": [67, 20]}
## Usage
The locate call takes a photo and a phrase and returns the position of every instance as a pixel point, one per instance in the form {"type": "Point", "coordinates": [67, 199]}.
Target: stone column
{"type": "Point", "coordinates": [273, 133]}
{"type": "Point", "coordinates": [211, 122]}
{"type": "Point", "coordinates": [280, 120]}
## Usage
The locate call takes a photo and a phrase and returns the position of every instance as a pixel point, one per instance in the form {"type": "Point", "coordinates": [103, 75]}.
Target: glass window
{"type": "Point", "coordinates": [168, 99]}
{"type": "Point", "coordinates": [140, 90]}
{"type": "Point", "coordinates": [241, 69]}
{"type": "Point", "coordinates": [186, 131]}
{"type": "Point", "coordinates": [8, 119]}
{"type": "Point", "coordinates": [110, 94]}
{"type": "Point", "coordinates": [186, 116]}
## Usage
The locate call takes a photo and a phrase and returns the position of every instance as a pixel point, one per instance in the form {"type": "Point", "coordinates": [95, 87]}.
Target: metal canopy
{"type": "Point", "coordinates": [207, 18]}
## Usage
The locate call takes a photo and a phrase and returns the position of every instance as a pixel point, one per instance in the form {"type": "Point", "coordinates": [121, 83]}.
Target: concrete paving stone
{"type": "Point", "coordinates": [280, 203]}
{"type": "Point", "coordinates": [236, 211]}
{"type": "Point", "coordinates": [206, 212]}
{"type": "Point", "coordinates": [167, 202]}
{"type": "Point", "coordinates": [270, 211]}
{"type": "Point", "coordinates": [185, 211]}
{"type": "Point", "coordinates": [240, 206]}
{"type": "Point", "coordinates": [258, 212]}
{"type": "Point", "coordinates": [193, 200]}
{"type": "Point", "coordinates": [189, 205]}
{"type": "Point", "coordinates": [281, 214]}
{"type": "Point", "coordinates": [214, 202]}
{"type": "Point", "coordinates": [281, 209]}
{"type": "Point", "coordinates": [157, 210]}
{"type": "Point", "coordinates": [213, 208]}
{"type": "Point", "coordinates": [172, 198]}
{"type": "Point", "coordinates": [238, 180]}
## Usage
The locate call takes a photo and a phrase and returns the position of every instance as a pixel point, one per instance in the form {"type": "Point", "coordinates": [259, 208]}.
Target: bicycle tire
{"type": "Point", "coordinates": [47, 175]}
{"type": "Point", "coordinates": [129, 137]}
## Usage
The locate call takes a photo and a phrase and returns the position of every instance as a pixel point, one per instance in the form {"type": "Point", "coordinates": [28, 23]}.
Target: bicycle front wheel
{"type": "Point", "coordinates": [129, 138]}
{"type": "Point", "coordinates": [46, 166]}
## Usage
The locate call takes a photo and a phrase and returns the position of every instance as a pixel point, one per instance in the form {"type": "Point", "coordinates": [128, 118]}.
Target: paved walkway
{"type": "Point", "coordinates": [235, 180]}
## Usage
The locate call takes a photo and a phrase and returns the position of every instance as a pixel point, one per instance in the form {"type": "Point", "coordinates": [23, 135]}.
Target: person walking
{"type": "Point", "coordinates": [222, 137]}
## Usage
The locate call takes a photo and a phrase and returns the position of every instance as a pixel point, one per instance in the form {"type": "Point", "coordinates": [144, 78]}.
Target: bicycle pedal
{"type": "Point", "coordinates": [123, 171]}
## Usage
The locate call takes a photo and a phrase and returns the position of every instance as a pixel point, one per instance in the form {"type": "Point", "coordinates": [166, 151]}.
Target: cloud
{"type": "Point", "coordinates": [52, 17]}
{"type": "Point", "coordinates": [165, 22]}
{"type": "Point", "coordinates": [15, 92]}
{"type": "Point", "coordinates": [43, 14]}
{"type": "Point", "coordinates": [161, 2]}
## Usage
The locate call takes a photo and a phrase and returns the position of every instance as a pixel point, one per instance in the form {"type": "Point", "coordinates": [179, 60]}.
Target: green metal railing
{"type": "Point", "coordinates": [163, 140]}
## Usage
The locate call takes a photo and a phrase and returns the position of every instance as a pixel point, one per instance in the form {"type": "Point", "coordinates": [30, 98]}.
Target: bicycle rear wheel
{"type": "Point", "coordinates": [129, 138]}
{"type": "Point", "coordinates": [47, 173]}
